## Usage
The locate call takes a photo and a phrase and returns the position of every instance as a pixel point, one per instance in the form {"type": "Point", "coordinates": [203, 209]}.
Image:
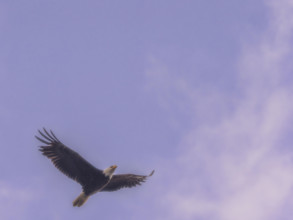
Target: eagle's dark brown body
{"type": "Point", "coordinates": [74, 166]}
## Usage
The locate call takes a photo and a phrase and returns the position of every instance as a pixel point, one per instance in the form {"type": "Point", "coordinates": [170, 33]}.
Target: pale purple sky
{"type": "Point", "coordinates": [201, 91]}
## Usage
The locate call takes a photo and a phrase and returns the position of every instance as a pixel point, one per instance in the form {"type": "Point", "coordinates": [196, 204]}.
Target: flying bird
{"type": "Point", "coordinates": [74, 166]}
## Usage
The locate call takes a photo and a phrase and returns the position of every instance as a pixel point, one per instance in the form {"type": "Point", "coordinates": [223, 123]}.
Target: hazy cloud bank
{"type": "Point", "coordinates": [232, 166]}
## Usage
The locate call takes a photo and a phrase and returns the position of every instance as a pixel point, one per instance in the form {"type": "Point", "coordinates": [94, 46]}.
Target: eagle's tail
{"type": "Point", "coordinates": [80, 200]}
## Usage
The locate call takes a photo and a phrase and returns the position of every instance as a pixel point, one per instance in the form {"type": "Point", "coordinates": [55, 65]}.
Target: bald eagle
{"type": "Point", "coordinates": [92, 179]}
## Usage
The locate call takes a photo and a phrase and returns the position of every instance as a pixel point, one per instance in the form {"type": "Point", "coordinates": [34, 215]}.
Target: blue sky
{"type": "Point", "coordinates": [200, 91]}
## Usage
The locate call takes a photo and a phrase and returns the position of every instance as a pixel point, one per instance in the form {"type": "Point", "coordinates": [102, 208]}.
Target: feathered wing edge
{"type": "Point", "coordinates": [49, 139]}
{"type": "Point", "coordinates": [125, 180]}
{"type": "Point", "coordinates": [151, 173]}
{"type": "Point", "coordinates": [66, 160]}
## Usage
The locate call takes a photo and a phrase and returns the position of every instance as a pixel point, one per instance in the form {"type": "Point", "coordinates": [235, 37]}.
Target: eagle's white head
{"type": "Point", "coordinates": [110, 170]}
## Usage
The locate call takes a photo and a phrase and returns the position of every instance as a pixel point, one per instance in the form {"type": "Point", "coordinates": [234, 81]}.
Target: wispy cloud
{"type": "Point", "coordinates": [14, 201]}
{"type": "Point", "coordinates": [232, 167]}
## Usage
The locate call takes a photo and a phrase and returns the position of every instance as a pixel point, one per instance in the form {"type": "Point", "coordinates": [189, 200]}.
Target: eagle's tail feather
{"type": "Point", "coordinates": [80, 200]}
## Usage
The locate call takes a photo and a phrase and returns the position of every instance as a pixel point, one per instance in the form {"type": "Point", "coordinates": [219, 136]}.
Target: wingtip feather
{"type": "Point", "coordinates": [152, 173]}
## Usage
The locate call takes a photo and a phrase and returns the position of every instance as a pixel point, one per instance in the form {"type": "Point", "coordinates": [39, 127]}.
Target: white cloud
{"type": "Point", "coordinates": [232, 168]}
{"type": "Point", "coordinates": [14, 201]}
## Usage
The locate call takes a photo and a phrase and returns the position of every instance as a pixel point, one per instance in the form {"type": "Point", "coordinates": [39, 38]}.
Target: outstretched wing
{"type": "Point", "coordinates": [68, 161]}
{"type": "Point", "coordinates": [125, 180]}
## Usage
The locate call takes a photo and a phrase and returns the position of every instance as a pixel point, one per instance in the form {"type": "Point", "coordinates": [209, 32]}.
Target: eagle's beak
{"type": "Point", "coordinates": [114, 166]}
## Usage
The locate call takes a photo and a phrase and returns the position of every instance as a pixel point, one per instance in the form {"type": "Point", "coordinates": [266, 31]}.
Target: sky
{"type": "Point", "coordinates": [200, 91]}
